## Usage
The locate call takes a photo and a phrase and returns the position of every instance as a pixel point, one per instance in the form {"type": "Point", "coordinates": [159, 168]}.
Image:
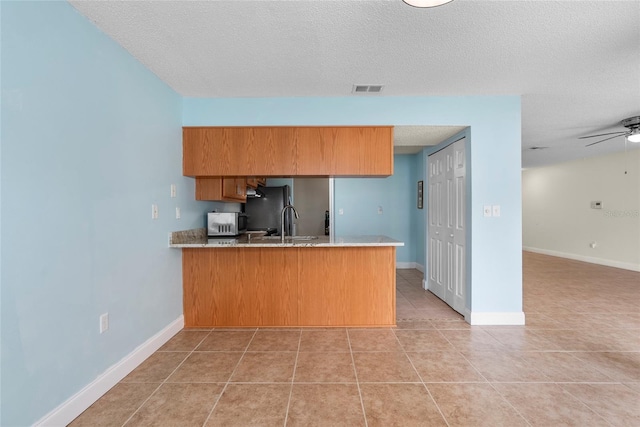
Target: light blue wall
{"type": "Point", "coordinates": [90, 139]}
{"type": "Point", "coordinates": [360, 198]}
{"type": "Point", "coordinates": [493, 149]}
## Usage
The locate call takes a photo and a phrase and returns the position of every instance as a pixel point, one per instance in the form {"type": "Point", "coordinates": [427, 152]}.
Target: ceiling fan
{"type": "Point", "coordinates": [633, 134]}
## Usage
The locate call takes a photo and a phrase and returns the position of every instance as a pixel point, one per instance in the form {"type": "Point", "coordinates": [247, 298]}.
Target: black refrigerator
{"type": "Point", "coordinates": [263, 212]}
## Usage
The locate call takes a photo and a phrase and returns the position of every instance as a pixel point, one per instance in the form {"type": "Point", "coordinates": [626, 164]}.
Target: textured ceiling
{"type": "Point", "coordinates": [576, 64]}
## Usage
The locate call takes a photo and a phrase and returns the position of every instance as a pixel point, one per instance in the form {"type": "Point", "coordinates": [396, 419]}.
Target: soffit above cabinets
{"type": "Point", "coordinates": [412, 139]}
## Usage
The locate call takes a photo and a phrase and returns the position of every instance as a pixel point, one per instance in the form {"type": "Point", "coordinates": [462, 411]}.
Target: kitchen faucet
{"type": "Point", "coordinates": [282, 233]}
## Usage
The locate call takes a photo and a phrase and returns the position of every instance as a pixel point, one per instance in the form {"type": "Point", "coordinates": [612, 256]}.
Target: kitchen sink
{"type": "Point", "coordinates": [286, 239]}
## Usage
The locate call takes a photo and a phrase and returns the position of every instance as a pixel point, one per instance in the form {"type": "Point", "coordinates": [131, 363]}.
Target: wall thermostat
{"type": "Point", "coordinates": [596, 205]}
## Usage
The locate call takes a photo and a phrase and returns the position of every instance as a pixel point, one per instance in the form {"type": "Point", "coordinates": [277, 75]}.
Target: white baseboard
{"type": "Point", "coordinates": [583, 258]}
{"type": "Point", "coordinates": [410, 265]}
{"type": "Point", "coordinates": [405, 265]}
{"type": "Point", "coordinates": [79, 402]}
{"type": "Point", "coordinates": [497, 318]}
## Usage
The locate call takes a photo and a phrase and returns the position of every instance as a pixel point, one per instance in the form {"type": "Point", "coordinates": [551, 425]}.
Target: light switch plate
{"type": "Point", "coordinates": [104, 323]}
{"type": "Point", "coordinates": [496, 210]}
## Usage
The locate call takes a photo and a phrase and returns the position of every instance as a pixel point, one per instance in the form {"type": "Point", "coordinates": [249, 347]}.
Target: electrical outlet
{"type": "Point", "coordinates": [487, 210]}
{"type": "Point", "coordinates": [340, 211]}
{"type": "Point", "coordinates": [154, 211]}
{"type": "Point", "coordinates": [173, 190]}
{"type": "Point", "coordinates": [379, 210]}
{"type": "Point", "coordinates": [177, 212]}
{"type": "Point", "coordinates": [496, 210]}
{"type": "Point", "coordinates": [104, 322]}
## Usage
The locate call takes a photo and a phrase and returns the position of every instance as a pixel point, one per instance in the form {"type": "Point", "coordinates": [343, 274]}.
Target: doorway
{"type": "Point", "coordinates": [311, 196]}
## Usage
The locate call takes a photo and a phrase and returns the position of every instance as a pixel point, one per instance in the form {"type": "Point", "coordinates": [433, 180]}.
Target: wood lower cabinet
{"type": "Point", "coordinates": [288, 151]}
{"type": "Point", "coordinates": [280, 287]}
{"type": "Point", "coordinates": [221, 189]}
{"type": "Point", "coordinates": [239, 287]}
{"type": "Point", "coordinates": [347, 286]}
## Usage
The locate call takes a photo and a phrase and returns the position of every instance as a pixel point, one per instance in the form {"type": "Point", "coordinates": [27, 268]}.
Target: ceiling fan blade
{"type": "Point", "coordinates": [603, 140]}
{"type": "Point", "coordinates": [602, 134]}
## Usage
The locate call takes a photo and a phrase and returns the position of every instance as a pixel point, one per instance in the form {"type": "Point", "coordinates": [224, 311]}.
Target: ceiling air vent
{"type": "Point", "coordinates": [367, 88]}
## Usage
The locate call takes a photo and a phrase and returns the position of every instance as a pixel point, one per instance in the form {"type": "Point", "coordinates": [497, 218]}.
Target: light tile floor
{"type": "Point", "coordinates": [575, 363]}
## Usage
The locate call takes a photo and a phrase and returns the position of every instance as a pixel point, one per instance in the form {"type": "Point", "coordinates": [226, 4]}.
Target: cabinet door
{"type": "Point", "coordinates": [271, 151]}
{"type": "Point", "coordinates": [214, 151]}
{"type": "Point", "coordinates": [234, 189]}
{"type": "Point", "coordinates": [345, 151]}
{"type": "Point", "coordinates": [316, 151]}
{"type": "Point", "coordinates": [221, 189]}
{"type": "Point", "coordinates": [252, 182]}
{"type": "Point", "coordinates": [364, 151]}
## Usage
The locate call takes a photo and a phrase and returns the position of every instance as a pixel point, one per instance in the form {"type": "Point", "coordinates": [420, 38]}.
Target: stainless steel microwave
{"type": "Point", "coordinates": [226, 223]}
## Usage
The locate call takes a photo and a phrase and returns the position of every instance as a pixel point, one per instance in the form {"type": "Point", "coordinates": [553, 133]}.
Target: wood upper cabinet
{"type": "Point", "coordinates": [288, 151]}
{"type": "Point", "coordinates": [254, 182]}
{"type": "Point", "coordinates": [221, 189]}
{"type": "Point", "coordinates": [213, 151]}
{"type": "Point", "coordinates": [344, 151]}
{"type": "Point", "coordinates": [270, 151]}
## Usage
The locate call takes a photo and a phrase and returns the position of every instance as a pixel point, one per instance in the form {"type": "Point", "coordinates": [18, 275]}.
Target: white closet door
{"type": "Point", "coordinates": [446, 227]}
{"type": "Point", "coordinates": [449, 199]}
{"type": "Point", "coordinates": [435, 218]}
{"type": "Point", "coordinates": [459, 231]}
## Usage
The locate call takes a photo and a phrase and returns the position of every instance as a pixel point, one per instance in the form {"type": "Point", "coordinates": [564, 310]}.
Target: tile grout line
{"type": "Point", "coordinates": [494, 388]}
{"type": "Point", "coordinates": [229, 379]}
{"type": "Point", "coordinates": [355, 372]}
{"type": "Point", "coordinates": [165, 380]}
{"type": "Point", "coordinates": [584, 403]}
{"type": "Point", "coordinates": [293, 376]}
{"type": "Point", "coordinates": [421, 379]}
{"type": "Point", "coordinates": [526, 420]}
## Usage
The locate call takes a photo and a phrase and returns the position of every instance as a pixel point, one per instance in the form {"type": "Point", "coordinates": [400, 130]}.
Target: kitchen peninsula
{"type": "Point", "coordinates": [319, 281]}
{"type": "Point", "coordinates": [301, 282]}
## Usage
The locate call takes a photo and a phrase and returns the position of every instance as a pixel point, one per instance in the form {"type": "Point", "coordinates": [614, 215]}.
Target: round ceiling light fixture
{"type": "Point", "coordinates": [426, 3]}
{"type": "Point", "coordinates": [634, 136]}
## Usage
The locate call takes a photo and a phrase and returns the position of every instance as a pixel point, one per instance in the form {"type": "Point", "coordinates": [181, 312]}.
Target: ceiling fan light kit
{"type": "Point", "coordinates": [634, 137]}
{"type": "Point", "coordinates": [426, 3]}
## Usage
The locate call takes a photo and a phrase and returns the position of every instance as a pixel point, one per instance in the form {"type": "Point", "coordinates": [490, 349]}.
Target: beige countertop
{"type": "Point", "coordinates": [197, 238]}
